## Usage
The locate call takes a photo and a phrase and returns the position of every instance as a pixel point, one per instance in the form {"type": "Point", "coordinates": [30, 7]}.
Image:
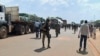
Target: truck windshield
{"type": "Point", "coordinates": [1, 9]}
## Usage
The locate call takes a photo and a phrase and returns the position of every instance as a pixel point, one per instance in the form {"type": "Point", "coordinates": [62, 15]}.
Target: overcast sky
{"type": "Point", "coordinates": [71, 10]}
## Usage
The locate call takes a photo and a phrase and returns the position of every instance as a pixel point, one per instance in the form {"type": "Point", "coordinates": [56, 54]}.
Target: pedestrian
{"type": "Point", "coordinates": [57, 29]}
{"type": "Point", "coordinates": [65, 26]}
{"type": "Point", "coordinates": [37, 28]}
{"type": "Point", "coordinates": [74, 28]}
{"type": "Point", "coordinates": [94, 31]}
{"type": "Point", "coordinates": [83, 35]}
{"type": "Point", "coordinates": [41, 25]}
{"type": "Point", "coordinates": [46, 29]}
{"type": "Point", "coordinates": [91, 29]}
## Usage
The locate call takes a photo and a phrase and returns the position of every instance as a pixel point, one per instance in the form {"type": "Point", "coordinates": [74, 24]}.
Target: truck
{"type": "Point", "coordinates": [12, 22]}
{"type": "Point", "coordinates": [64, 23]}
{"type": "Point", "coordinates": [55, 21]}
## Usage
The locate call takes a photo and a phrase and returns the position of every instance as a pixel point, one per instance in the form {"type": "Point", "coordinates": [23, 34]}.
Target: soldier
{"type": "Point", "coordinates": [46, 29]}
{"type": "Point", "coordinates": [57, 29]}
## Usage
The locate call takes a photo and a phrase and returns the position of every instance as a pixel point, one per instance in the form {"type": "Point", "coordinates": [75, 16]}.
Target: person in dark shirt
{"type": "Point", "coordinates": [46, 29]}
{"type": "Point", "coordinates": [57, 29]}
{"type": "Point", "coordinates": [65, 26]}
{"type": "Point", "coordinates": [41, 25]}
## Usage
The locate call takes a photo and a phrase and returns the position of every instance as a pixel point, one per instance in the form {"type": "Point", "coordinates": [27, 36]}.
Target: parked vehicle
{"type": "Point", "coordinates": [12, 22]}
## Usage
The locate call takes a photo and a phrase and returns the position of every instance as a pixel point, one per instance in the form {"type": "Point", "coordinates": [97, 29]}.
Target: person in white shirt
{"type": "Point", "coordinates": [83, 35]}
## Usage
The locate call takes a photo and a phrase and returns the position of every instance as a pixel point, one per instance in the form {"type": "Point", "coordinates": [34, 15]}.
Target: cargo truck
{"type": "Point", "coordinates": [12, 22]}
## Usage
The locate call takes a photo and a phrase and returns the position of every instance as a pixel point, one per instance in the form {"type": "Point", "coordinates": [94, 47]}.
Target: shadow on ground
{"type": "Point", "coordinates": [41, 37]}
{"type": "Point", "coordinates": [40, 50]}
{"type": "Point", "coordinates": [36, 38]}
{"type": "Point", "coordinates": [82, 52]}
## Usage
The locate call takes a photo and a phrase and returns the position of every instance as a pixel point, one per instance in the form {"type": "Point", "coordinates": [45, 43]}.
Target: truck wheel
{"type": "Point", "coordinates": [27, 29]}
{"type": "Point", "coordinates": [32, 28]}
{"type": "Point", "coordinates": [22, 30]}
{"type": "Point", "coordinates": [3, 32]}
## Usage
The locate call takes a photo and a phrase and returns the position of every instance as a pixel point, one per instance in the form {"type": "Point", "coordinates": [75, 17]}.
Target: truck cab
{"type": "Point", "coordinates": [2, 13]}
{"type": "Point", "coordinates": [3, 22]}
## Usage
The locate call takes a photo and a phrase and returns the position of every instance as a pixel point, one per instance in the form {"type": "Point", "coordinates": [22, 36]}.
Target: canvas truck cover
{"type": "Point", "coordinates": [14, 13]}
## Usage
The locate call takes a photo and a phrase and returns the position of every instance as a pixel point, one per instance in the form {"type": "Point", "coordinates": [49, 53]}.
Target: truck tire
{"type": "Point", "coordinates": [26, 29]}
{"type": "Point", "coordinates": [32, 28]}
{"type": "Point", "coordinates": [3, 32]}
{"type": "Point", "coordinates": [22, 30]}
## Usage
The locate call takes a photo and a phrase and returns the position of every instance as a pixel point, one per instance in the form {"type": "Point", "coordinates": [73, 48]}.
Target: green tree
{"type": "Point", "coordinates": [42, 19]}
{"type": "Point", "coordinates": [23, 14]}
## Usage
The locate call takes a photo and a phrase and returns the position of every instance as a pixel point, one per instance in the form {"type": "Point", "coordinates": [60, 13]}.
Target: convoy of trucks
{"type": "Point", "coordinates": [12, 22]}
